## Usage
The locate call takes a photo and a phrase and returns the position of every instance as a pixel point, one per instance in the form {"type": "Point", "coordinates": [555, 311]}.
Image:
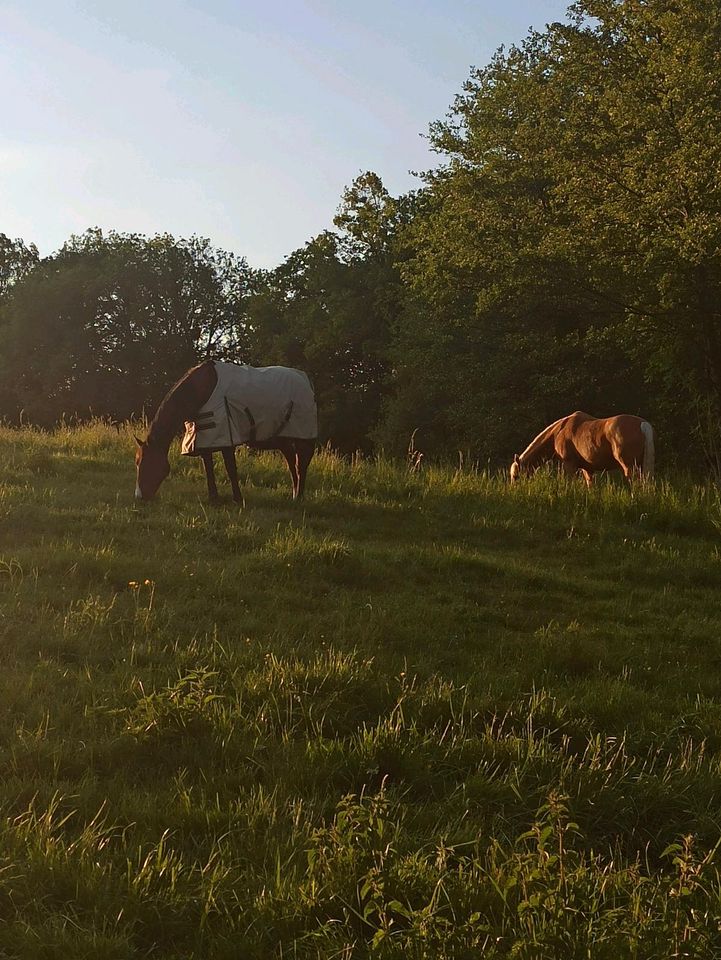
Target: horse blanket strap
{"type": "Point", "coordinates": [252, 404]}
{"type": "Point", "coordinates": [286, 419]}
{"type": "Point", "coordinates": [251, 421]}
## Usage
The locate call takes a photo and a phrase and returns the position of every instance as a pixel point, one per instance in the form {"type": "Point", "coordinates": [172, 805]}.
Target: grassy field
{"type": "Point", "coordinates": [420, 715]}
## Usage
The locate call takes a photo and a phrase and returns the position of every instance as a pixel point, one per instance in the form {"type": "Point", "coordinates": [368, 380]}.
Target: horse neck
{"type": "Point", "coordinates": [178, 405]}
{"type": "Point", "coordinates": [164, 425]}
{"type": "Point", "coordinates": [541, 447]}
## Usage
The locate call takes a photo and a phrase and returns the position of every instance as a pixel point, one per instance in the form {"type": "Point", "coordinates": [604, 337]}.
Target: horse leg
{"type": "Point", "coordinates": [630, 472]}
{"type": "Point", "coordinates": [629, 468]}
{"type": "Point", "coordinates": [231, 468]}
{"type": "Point", "coordinates": [287, 448]}
{"type": "Point", "coordinates": [207, 458]}
{"type": "Point", "coordinates": [306, 449]}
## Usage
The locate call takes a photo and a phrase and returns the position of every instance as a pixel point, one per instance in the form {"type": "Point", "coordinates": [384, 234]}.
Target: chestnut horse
{"type": "Point", "coordinates": [584, 445]}
{"type": "Point", "coordinates": [181, 404]}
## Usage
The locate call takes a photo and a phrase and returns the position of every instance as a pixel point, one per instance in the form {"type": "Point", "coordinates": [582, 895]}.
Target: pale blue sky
{"type": "Point", "coordinates": [240, 121]}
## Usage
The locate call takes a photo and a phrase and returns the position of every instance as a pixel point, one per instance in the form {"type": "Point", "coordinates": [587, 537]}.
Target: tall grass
{"type": "Point", "coordinates": [422, 714]}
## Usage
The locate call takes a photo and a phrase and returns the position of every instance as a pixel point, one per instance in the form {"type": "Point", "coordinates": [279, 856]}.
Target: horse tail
{"type": "Point", "coordinates": [649, 450]}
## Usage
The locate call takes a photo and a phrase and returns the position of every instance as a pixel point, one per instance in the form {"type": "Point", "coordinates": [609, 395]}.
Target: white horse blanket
{"type": "Point", "coordinates": [252, 404]}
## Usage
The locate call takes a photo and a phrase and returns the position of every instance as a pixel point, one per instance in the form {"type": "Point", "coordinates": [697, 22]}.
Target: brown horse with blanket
{"type": "Point", "coordinates": [224, 405]}
{"type": "Point", "coordinates": [585, 445]}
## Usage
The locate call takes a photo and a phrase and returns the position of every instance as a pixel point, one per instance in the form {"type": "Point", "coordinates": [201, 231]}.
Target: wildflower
{"type": "Point", "coordinates": [133, 584]}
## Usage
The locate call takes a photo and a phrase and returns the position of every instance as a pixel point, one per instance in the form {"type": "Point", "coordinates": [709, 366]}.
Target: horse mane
{"type": "Point", "coordinates": [177, 404]}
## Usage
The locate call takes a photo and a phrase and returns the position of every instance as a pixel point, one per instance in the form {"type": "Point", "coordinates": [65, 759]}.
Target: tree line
{"type": "Point", "coordinates": [564, 254]}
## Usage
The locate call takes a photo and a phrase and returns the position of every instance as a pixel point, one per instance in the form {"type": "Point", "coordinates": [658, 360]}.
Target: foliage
{"type": "Point", "coordinates": [568, 255]}
{"type": "Point", "coordinates": [330, 308]}
{"type": "Point", "coordinates": [110, 322]}
{"type": "Point", "coordinates": [16, 260]}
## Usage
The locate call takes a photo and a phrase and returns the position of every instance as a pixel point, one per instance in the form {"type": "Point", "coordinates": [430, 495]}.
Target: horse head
{"type": "Point", "coordinates": [152, 468]}
{"type": "Point", "coordinates": [516, 468]}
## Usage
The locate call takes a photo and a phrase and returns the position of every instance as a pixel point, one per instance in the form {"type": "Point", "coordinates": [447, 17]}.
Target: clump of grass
{"type": "Point", "coordinates": [297, 545]}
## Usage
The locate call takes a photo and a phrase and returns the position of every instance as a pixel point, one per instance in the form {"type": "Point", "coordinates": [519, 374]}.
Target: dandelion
{"type": "Point", "coordinates": [149, 583]}
{"type": "Point", "coordinates": [133, 584]}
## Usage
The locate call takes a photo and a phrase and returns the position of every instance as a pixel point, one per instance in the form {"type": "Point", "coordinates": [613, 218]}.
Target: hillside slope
{"type": "Point", "coordinates": [419, 715]}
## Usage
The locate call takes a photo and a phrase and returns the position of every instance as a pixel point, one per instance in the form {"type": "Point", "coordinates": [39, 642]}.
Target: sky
{"type": "Point", "coordinates": [238, 121]}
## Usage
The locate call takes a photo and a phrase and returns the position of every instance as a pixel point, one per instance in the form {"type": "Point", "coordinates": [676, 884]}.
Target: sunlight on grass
{"type": "Point", "coordinates": [293, 543]}
{"type": "Point", "coordinates": [423, 714]}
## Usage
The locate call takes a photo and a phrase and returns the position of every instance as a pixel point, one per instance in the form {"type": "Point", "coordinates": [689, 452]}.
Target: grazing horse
{"type": "Point", "coordinates": [584, 445]}
{"type": "Point", "coordinates": [225, 405]}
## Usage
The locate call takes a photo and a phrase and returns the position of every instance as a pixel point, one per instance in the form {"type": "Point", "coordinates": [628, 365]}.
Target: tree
{"type": "Point", "coordinates": [639, 91]}
{"type": "Point", "coordinates": [110, 322]}
{"type": "Point", "coordinates": [368, 218]}
{"type": "Point", "coordinates": [316, 312]}
{"type": "Point", "coordinates": [330, 309]}
{"type": "Point", "coordinates": [567, 253]}
{"type": "Point", "coordinates": [16, 261]}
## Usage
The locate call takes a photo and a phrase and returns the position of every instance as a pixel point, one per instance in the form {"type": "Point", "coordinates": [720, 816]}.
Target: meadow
{"type": "Point", "coordinates": [421, 714]}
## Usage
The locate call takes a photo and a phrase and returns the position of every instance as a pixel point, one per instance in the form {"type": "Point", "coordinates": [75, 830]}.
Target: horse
{"type": "Point", "coordinates": [585, 444]}
{"type": "Point", "coordinates": [225, 405]}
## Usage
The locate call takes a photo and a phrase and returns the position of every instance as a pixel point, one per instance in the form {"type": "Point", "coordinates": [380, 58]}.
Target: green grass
{"type": "Point", "coordinates": [420, 715]}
